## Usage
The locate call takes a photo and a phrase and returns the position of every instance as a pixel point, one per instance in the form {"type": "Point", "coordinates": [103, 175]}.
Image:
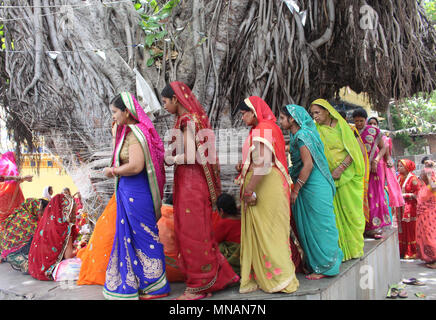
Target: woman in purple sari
{"type": "Point", "coordinates": [136, 267]}
{"type": "Point", "coordinates": [372, 137]}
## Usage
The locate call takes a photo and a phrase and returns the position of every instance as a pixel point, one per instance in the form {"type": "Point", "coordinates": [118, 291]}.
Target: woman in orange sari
{"type": "Point", "coordinates": [426, 221]}
{"type": "Point", "coordinates": [266, 258]}
{"type": "Point", "coordinates": [410, 186]}
{"type": "Point", "coordinates": [95, 256]}
{"type": "Point", "coordinates": [196, 187]}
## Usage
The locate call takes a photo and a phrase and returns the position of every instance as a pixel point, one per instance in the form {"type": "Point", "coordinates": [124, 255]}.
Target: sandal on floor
{"type": "Point", "coordinates": [392, 293]}
{"type": "Point", "coordinates": [414, 282]}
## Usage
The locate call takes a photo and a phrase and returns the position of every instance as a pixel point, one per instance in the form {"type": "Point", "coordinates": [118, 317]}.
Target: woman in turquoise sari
{"type": "Point", "coordinates": [312, 195]}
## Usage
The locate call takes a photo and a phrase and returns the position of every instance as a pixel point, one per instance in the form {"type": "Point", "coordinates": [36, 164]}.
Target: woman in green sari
{"type": "Point", "coordinates": [312, 195]}
{"type": "Point", "coordinates": [347, 166]}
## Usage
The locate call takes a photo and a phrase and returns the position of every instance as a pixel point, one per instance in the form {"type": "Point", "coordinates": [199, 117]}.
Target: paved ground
{"type": "Point", "coordinates": [17, 286]}
{"type": "Point", "coordinates": [417, 269]}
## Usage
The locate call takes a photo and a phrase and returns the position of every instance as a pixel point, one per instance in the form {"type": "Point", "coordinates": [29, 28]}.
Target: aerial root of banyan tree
{"type": "Point", "coordinates": [225, 50]}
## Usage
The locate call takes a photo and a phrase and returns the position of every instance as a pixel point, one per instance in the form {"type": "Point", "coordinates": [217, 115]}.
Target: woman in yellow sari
{"type": "Point", "coordinates": [266, 258]}
{"type": "Point", "coordinates": [347, 165]}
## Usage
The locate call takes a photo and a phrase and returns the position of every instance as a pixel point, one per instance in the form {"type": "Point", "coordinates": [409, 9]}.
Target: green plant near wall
{"type": "Point", "coordinates": [154, 18]}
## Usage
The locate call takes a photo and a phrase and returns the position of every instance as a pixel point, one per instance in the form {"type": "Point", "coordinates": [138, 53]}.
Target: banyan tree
{"type": "Point", "coordinates": [63, 60]}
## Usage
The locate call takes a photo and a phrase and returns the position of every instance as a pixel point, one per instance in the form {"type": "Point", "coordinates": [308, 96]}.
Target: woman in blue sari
{"type": "Point", "coordinates": [136, 267]}
{"type": "Point", "coordinates": [312, 194]}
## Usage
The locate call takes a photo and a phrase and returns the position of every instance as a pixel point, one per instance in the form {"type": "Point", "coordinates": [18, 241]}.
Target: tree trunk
{"type": "Point", "coordinates": [67, 62]}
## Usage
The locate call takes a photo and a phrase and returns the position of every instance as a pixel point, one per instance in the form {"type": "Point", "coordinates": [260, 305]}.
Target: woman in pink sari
{"type": "Point", "coordinates": [11, 195]}
{"type": "Point", "coordinates": [196, 187]}
{"type": "Point", "coordinates": [378, 210]}
{"type": "Point", "coordinates": [388, 177]}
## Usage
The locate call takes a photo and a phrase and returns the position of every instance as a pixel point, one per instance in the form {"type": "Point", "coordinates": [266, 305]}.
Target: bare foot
{"type": "Point", "coordinates": [431, 265]}
{"type": "Point", "coordinates": [193, 296]}
{"type": "Point", "coordinates": [315, 276]}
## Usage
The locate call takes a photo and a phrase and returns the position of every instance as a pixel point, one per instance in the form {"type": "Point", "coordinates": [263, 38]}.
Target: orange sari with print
{"type": "Point", "coordinates": [196, 187]}
{"type": "Point", "coordinates": [95, 256]}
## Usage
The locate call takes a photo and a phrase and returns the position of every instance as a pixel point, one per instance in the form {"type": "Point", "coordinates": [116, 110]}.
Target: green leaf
{"type": "Point", "coordinates": [149, 40]}
{"type": "Point", "coordinates": [150, 62]}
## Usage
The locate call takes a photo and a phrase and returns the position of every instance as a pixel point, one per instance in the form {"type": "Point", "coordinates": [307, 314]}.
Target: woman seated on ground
{"type": "Point", "coordinates": [54, 237]}
{"type": "Point", "coordinates": [228, 230]}
{"type": "Point", "coordinates": [18, 230]}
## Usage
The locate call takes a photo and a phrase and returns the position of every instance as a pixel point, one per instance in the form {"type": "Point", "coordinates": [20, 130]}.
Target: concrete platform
{"type": "Point", "coordinates": [367, 278]}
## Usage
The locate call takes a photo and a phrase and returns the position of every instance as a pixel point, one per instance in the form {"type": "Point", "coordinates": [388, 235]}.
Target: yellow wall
{"type": "Point", "coordinates": [47, 177]}
{"type": "Point", "coordinates": [350, 96]}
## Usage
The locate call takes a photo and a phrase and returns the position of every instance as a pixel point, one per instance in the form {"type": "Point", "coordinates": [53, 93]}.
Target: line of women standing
{"type": "Point", "coordinates": [330, 229]}
{"type": "Point", "coordinates": [328, 165]}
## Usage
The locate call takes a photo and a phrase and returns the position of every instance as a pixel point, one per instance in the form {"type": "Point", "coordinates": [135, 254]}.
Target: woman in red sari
{"type": "Point", "coordinates": [196, 187]}
{"type": "Point", "coordinates": [410, 186]}
{"type": "Point", "coordinates": [53, 238]}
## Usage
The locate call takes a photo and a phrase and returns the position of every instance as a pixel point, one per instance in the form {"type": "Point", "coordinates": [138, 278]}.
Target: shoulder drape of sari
{"type": "Point", "coordinates": [11, 195]}
{"type": "Point", "coordinates": [51, 237]}
{"type": "Point", "coordinates": [198, 117]}
{"type": "Point", "coordinates": [269, 134]}
{"type": "Point", "coordinates": [309, 135]}
{"type": "Point", "coordinates": [347, 137]}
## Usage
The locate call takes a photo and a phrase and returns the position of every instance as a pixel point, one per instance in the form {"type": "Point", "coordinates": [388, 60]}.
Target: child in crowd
{"type": "Point", "coordinates": [228, 230]}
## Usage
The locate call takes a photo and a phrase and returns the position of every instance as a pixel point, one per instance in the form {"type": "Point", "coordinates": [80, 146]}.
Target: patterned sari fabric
{"type": "Point", "coordinates": [266, 257]}
{"type": "Point", "coordinates": [11, 196]}
{"type": "Point", "coordinates": [95, 256]}
{"type": "Point", "coordinates": [426, 221]}
{"type": "Point", "coordinates": [410, 186]}
{"type": "Point", "coordinates": [315, 219]}
{"type": "Point", "coordinates": [136, 267]}
{"type": "Point", "coordinates": [196, 187]}
{"type": "Point", "coordinates": [19, 227]}
{"type": "Point", "coordinates": [348, 200]}
{"type": "Point", "coordinates": [55, 230]}
{"type": "Point", "coordinates": [378, 210]}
